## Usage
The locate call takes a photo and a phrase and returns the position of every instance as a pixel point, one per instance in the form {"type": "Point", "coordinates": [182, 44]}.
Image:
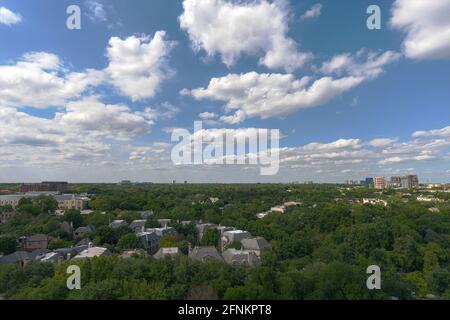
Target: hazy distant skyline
{"type": "Point", "coordinates": [99, 104]}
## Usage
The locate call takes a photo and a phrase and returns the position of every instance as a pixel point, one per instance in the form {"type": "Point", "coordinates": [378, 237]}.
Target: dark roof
{"type": "Point", "coordinates": [257, 243]}
{"type": "Point", "coordinates": [205, 253]}
{"type": "Point", "coordinates": [86, 229]}
{"type": "Point", "coordinates": [15, 257]}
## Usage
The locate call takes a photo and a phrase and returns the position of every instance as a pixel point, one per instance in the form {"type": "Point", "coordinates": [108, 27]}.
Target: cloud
{"type": "Point", "coordinates": [8, 17]}
{"type": "Point", "coordinates": [338, 144]}
{"type": "Point", "coordinates": [444, 132]}
{"type": "Point", "coordinates": [39, 80]}
{"type": "Point", "coordinates": [207, 116]}
{"type": "Point", "coordinates": [233, 29]}
{"type": "Point", "coordinates": [313, 12]}
{"type": "Point", "coordinates": [266, 95]}
{"type": "Point", "coordinates": [165, 111]}
{"type": "Point", "coordinates": [96, 11]}
{"type": "Point", "coordinates": [364, 62]}
{"type": "Point", "coordinates": [427, 27]}
{"type": "Point", "coordinates": [381, 142]}
{"type": "Point", "coordinates": [112, 121]}
{"type": "Point", "coordinates": [404, 159]}
{"type": "Point", "coordinates": [29, 140]}
{"type": "Point", "coordinates": [138, 65]}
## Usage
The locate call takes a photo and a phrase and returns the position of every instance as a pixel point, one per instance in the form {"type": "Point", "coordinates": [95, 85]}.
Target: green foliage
{"type": "Point", "coordinates": [129, 241]}
{"type": "Point", "coordinates": [8, 245]}
{"type": "Point", "coordinates": [211, 237]}
{"type": "Point", "coordinates": [168, 241]}
{"type": "Point", "coordinates": [320, 250]}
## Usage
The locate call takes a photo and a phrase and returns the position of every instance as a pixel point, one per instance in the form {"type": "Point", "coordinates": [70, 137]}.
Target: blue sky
{"type": "Point", "coordinates": [69, 112]}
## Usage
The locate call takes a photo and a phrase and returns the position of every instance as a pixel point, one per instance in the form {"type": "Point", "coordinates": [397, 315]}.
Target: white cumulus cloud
{"type": "Point", "coordinates": [8, 17]}
{"type": "Point", "coordinates": [427, 27]}
{"type": "Point", "coordinates": [40, 80]}
{"type": "Point", "coordinates": [233, 29]}
{"type": "Point", "coordinates": [138, 65]}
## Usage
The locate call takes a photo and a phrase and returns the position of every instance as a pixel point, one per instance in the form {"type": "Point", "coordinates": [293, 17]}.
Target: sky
{"type": "Point", "coordinates": [100, 103]}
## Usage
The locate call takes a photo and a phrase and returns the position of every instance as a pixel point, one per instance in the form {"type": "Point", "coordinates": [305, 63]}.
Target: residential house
{"type": "Point", "coordinates": [92, 252]}
{"type": "Point", "coordinates": [167, 252]}
{"type": "Point", "coordinates": [164, 223]}
{"type": "Point", "coordinates": [236, 257]}
{"type": "Point", "coordinates": [83, 231]}
{"type": "Point", "coordinates": [69, 253]}
{"type": "Point", "coordinates": [161, 232]}
{"type": "Point", "coordinates": [231, 236]}
{"type": "Point", "coordinates": [21, 258]}
{"type": "Point", "coordinates": [130, 253]}
{"type": "Point", "coordinates": [150, 241]}
{"type": "Point", "coordinates": [138, 225]}
{"type": "Point", "coordinates": [50, 257]}
{"type": "Point", "coordinates": [34, 242]}
{"type": "Point", "coordinates": [117, 224]}
{"type": "Point", "coordinates": [256, 244]}
{"type": "Point", "coordinates": [203, 254]}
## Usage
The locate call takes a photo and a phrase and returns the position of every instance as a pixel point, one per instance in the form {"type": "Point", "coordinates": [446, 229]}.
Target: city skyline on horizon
{"type": "Point", "coordinates": [99, 104]}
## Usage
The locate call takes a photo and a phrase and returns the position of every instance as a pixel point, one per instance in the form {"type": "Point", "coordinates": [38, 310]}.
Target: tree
{"type": "Point", "coordinates": [104, 235]}
{"type": "Point", "coordinates": [211, 238]}
{"type": "Point", "coordinates": [151, 223]}
{"type": "Point", "coordinates": [8, 245]}
{"type": "Point", "coordinates": [168, 241]}
{"type": "Point", "coordinates": [183, 246]}
{"type": "Point", "coordinates": [48, 204]}
{"type": "Point", "coordinates": [129, 241]}
{"type": "Point", "coordinates": [74, 217]}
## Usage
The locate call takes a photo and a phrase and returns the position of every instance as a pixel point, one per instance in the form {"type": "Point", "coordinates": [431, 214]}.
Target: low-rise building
{"type": "Point", "coordinates": [373, 201]}
{"type": "Point", "coordinates": [65, 201]}
{"type": "Point", "coordinates": [256, 244]}
{"type": "Point", "coordinates": [161, 232]}
{"type": "Point", "coordinates": [83, 231]}
{"type": "Point", "coordinates": [163, 223]}
{"type": "Point", "coordinates": [203, 254]}
{"type": "Point", "coordinates": [150, 241]}
{"type": "Point", "coordinates": [428, 199]}
{"type": "Point", "coordinates": [117, 224]}
{"type": "Point", "coordinates": [292, 204]}
{"type": "Point", "coordinates": [279, 209]}
{"type": "Point", "coordinates": [34, 242]}
{"type": "Point", "coordinates": [236, 257]}
{"type": "Point", "coordinates": [6, 215]}
{"type": "Point", "coordinates": [138, 225]}
{"type": "Point", "coordinates": [50, 257]}
{"type": "Point", "coordinates": [167, 252]}
{"type": "Point", "coordinates": [92, 252]}
{"type": "Point", "coordinates": [262, 215]}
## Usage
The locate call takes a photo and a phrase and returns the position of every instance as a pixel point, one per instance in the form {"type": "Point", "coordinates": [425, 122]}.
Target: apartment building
{"type": "Point", "coordinates": [65, 201]}
{"type": "Point", "coordinates": [380, 182]}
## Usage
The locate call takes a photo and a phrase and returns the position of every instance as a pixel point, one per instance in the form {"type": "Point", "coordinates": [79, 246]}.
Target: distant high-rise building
{"type": "Point", "coordinates": [368, 181]}
{"type": "Point", "coordinates": [396, 182]}
{"type": "Point", "coordinates": [409, 181]}
{"type": "Point", "coordinates": [380, 182]}
{"type": "Point", "coordinates": [50, 186]}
